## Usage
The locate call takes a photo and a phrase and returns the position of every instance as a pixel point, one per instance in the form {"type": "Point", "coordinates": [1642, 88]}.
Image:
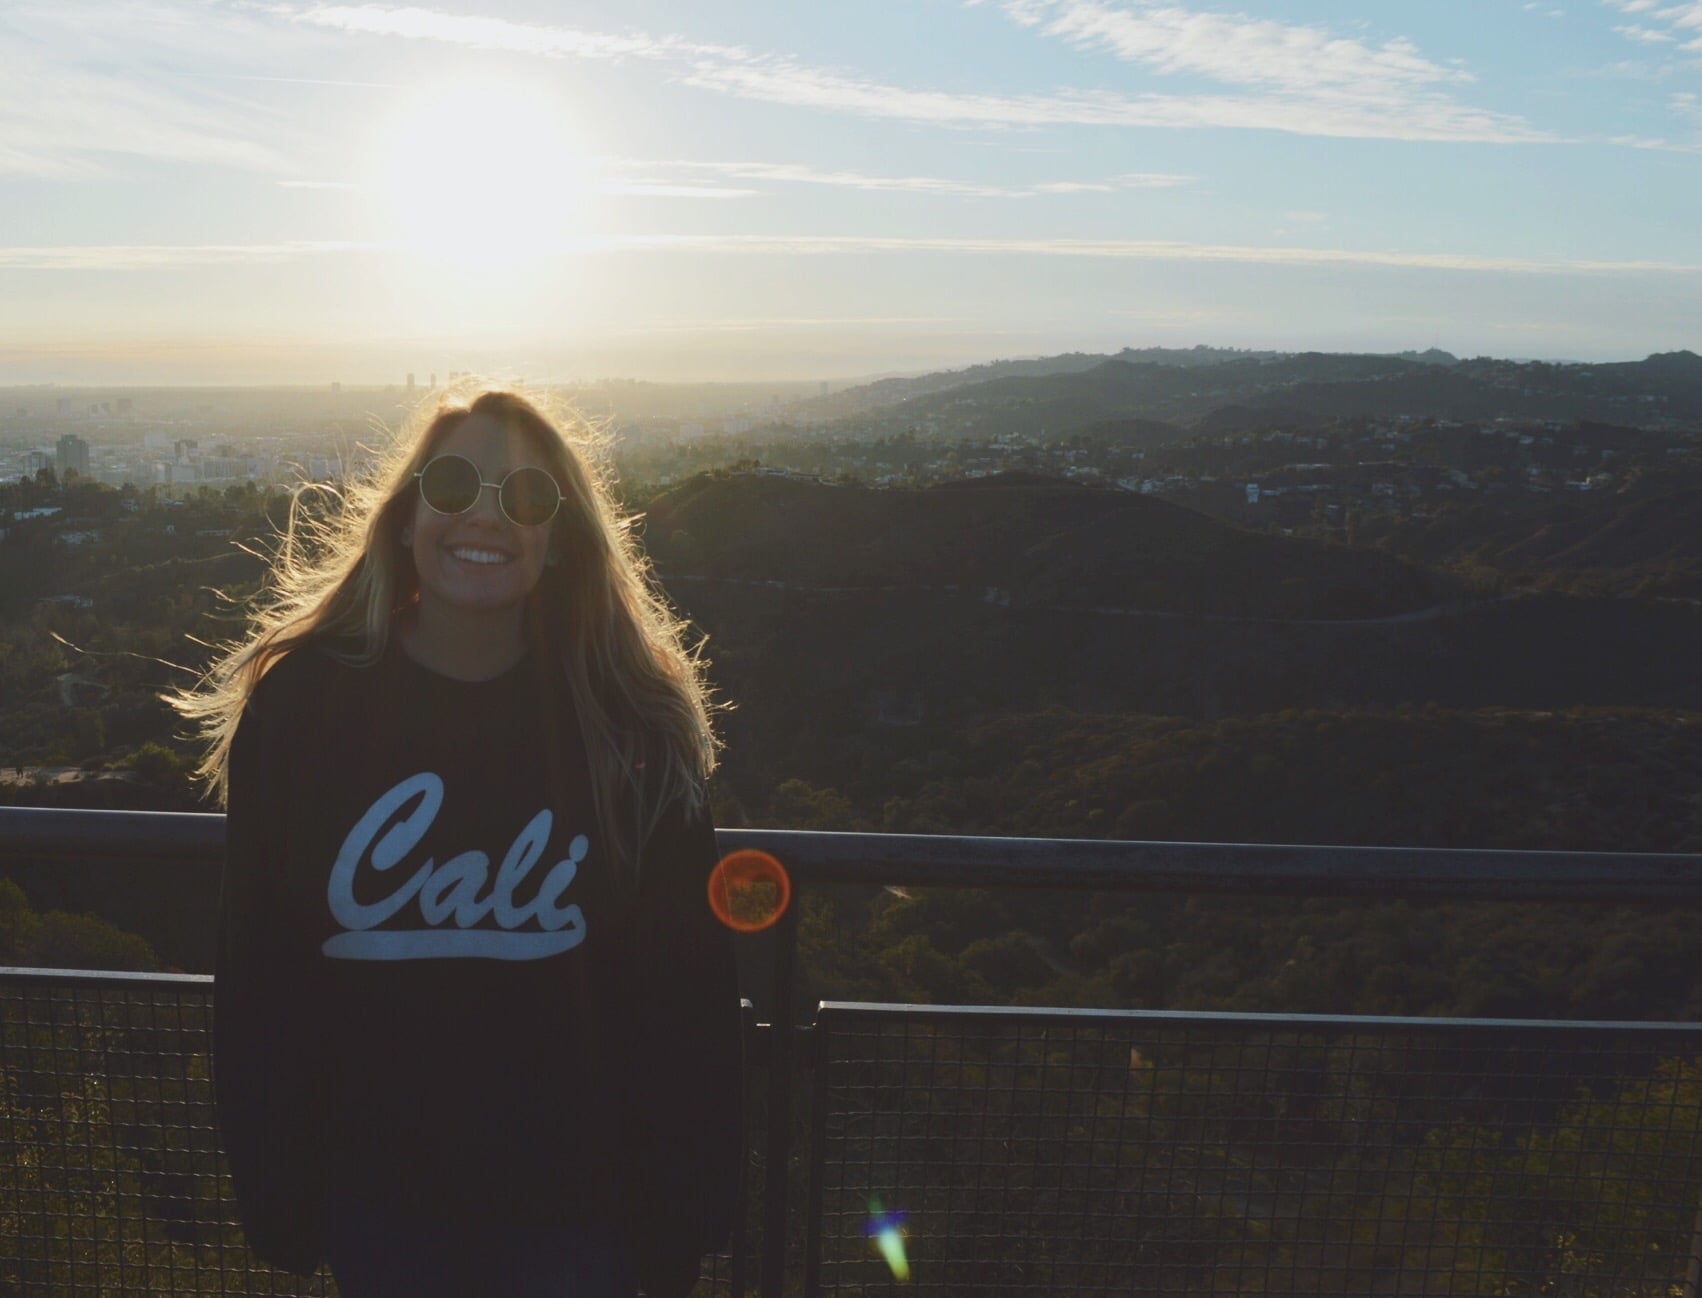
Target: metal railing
{"type": "Point", "coordinates": [1055, 1152]}
{"type": "Point", "coordinates": [1030, 1151]}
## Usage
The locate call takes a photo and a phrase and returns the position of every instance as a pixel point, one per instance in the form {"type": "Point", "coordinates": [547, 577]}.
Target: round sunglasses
{"type": "Point", "coordinates": [450, 484]}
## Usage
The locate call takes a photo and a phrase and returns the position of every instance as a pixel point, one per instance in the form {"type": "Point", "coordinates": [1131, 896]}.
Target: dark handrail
{"type": "Point", "coordinates": [949, 860]}
{"type": "Point", "coordinates": [196, 840]}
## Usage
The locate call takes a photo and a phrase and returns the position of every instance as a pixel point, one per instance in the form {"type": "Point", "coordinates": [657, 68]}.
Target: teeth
{"type": "Point", "coordinates": [467, 555]}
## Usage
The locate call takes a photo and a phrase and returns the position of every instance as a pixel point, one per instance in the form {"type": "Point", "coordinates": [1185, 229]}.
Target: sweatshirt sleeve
{"type": "Point", "coordinates": [692, 1156]}
{"type": "Point", "coordinates": [265, 1053]}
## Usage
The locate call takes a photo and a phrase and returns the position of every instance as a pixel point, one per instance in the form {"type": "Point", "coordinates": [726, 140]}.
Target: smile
{"type": "Point", "coordinates": [470, 554]}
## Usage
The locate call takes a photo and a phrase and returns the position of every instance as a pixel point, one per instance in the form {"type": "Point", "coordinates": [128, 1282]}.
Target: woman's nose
{"type": "Point", "coordinates": [489, 504]}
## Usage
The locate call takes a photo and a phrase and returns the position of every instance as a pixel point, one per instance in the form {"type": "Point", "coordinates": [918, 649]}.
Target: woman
{"type": "Point", "coordinates": [476, 1028]}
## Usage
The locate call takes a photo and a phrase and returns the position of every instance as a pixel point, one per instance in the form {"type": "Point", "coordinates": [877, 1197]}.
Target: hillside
{"type": "Point", "coordinates": [1580, 779]}
{"type": "Point", "coordinates": [1019, 654]}
{"type": "Point", "coordinates": [1308, 386]}
{"type": "Point", "coordinates": [836, 614]}
{"type": "Point", "coordinates": [1044, 543]}
{"type": "Point", "coordinates": [890, 391]}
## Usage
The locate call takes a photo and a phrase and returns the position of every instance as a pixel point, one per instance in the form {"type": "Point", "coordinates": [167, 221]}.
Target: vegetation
{"type": "Point", "coordinates": [1480, 677]}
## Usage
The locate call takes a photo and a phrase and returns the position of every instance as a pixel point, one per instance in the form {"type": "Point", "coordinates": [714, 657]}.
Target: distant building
{"type": "Point", "coordinates": [218, 467]}
{"type": "Point", "coordinates": [1252, 493]}
{"type": "Point", "coordinates": [73, 456]}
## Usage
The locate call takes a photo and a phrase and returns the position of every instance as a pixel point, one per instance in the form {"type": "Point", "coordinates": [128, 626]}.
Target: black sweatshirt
{"type": "Point", "coordinates": [432, 995]}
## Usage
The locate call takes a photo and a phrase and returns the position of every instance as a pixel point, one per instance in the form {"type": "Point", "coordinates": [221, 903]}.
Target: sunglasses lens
{"type": "Point", "coordinates": [530, 497]}
{"type": "Point", "coordinates": [450, 484]}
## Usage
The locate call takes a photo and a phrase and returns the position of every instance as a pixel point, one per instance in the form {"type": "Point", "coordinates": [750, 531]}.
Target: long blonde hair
{"type": "Point", "coordinates": [338, 580]}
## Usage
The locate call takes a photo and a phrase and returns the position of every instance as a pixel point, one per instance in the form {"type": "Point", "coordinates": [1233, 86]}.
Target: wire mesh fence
{"type": "Point", "coordinates": [1025, 1152]}
{"type": "Point", "coordinates": [1065, 1153]}
{"type": "Point", "coordinates": [111, 1177]}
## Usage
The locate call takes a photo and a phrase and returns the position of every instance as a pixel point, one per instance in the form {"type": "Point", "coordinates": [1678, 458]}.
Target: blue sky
{"type": "Point", "coordinates": [298, 192]}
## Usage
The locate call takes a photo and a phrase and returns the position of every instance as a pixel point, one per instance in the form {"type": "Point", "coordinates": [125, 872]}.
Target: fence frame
{"type": "Point", "coordinates": [195, 842]}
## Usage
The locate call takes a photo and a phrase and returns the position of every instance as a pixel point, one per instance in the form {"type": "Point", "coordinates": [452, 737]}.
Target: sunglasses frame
{"type": "Point", "coordinates": [419, 481]}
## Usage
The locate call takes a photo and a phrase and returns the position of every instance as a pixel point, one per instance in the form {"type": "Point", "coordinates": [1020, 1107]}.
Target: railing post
{"type": "Point", "coordinates": [777, 1182]}
{"type": "Point", "coordinates": [818, 1155]}
{"type": "Point", "coordinates": [1693, 1272]}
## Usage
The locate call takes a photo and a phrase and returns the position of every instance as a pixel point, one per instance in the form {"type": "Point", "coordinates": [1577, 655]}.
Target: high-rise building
{"type": "Point", "coordinates": [73, 454]}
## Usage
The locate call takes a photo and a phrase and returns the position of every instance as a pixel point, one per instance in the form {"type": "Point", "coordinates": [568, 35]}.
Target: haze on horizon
{"type": "Point", "coordinates": [299, 192]}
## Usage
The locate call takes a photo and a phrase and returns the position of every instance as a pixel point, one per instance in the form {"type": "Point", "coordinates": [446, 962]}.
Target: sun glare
{"type": "Point", "coordinates": [480, 174]}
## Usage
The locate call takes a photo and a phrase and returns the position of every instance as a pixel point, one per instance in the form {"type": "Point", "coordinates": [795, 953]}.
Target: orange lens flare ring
{"type": "Point", "coordinates": [749, 891]}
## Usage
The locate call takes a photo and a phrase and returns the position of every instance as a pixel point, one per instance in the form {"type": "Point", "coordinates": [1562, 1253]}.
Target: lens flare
{"type": "Point", "coordinates": [886, 1231]}
{"type": "Point", "coordinates": [749, 891]}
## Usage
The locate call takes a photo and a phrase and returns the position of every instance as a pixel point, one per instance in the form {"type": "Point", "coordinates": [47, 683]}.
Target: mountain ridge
{"type": "Point", "coordinates": [1065, 393]}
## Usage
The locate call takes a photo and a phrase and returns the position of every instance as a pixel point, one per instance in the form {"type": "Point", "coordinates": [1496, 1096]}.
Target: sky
{"type": "Point", "coordinates": [274, 191]}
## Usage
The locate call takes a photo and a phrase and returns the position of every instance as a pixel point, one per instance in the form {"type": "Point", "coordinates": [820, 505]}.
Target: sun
{"type": "Point", "coordinates": [482, 174]}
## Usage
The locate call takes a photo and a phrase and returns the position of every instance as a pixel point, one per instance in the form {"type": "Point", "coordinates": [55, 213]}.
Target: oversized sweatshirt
{"type": "Point", "coordinates": [432, 994]}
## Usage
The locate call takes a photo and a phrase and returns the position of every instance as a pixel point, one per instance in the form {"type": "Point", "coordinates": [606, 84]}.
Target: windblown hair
{"type": "Point", "coordinates": [338, 580]}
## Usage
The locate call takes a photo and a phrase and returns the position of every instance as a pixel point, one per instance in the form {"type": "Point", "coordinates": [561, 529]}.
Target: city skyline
{"type": "Point", "coordinates": [307, 192]}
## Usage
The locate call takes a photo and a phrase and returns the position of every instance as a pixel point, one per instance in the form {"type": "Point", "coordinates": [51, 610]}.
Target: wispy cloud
{"type": "Point", "coordinates": [666, 189]}
{"type": "Point", "coordinates": [100, 115]}
{"type": "Point", "coordinates": [298, 81]}
{"type": "Point", "coordinates": [1660, 23]}
{"type": "Point", "coordinates": [165, 256]}
{"type": "Point", "coordinates": [153, 256]}
{"type": "Point", "coordinates": [798, 85]}
{"type": "Point", "coordinates": [1128, 249]}
{"type": "Point", "coordinates": [758, 323]}
{"type": "Point", "coordinates": [1309, 79]}
{"type": "Point", "coordinates": [89, 87]}
{"type": "Point", "coordinates": [1232, 48]}
{"type": "Point", "coordinates": [788, 173]}
{"type": "Point", "coordinates": [475, 32]}
{"type": "Point", "coordinates": [775, 79]}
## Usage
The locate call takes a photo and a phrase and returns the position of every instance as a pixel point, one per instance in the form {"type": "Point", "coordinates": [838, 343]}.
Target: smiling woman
{"type": "Point", "coordinates": [481, 174]}
{"type": "Point", "coordinates": [465, 935]}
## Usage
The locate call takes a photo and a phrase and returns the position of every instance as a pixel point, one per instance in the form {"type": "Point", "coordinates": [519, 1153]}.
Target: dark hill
{"type": "Point", "coordinates": [1239, 419]}
{"type": "Point", "coordinates": [1178, 560]}
{"type": "Point", "coordinates": [1619, 535]}
{"type": "Point", "coordinates": [1661, 530]}
{"type": "Point", "coordinates": [1315, 384]}
{"type": "Point", "coordinates": [1134, 433]}
{"type": "Point", "coordinates": [1683, 365]}
{"type": "Point", "coordinates": [890, 391]}
{"type": "Point", "coordinates": [1043, 541]}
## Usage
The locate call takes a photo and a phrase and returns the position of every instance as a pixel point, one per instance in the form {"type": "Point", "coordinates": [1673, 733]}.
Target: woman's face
{"type": "Point", "coordinates": [478, 560]}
